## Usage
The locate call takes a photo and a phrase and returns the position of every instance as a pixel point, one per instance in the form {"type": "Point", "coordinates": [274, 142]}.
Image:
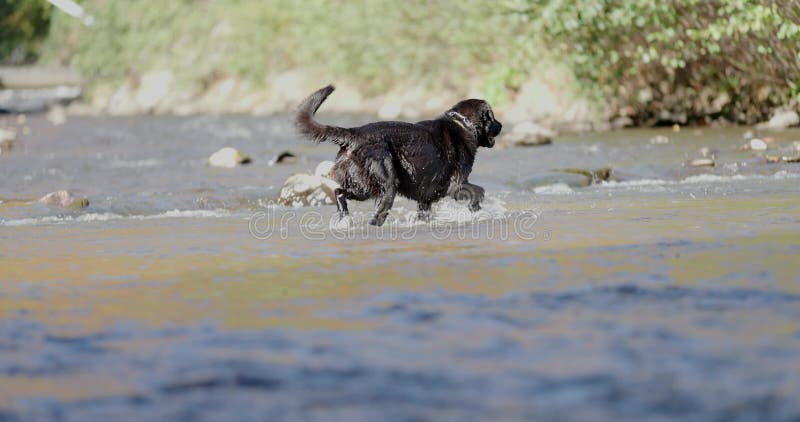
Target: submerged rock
{"type": "Point", "coordinates": [773, 159]}
{"type": "Point", "coordinates": [594, 176]}
{"type": "Point", "coordinates": [307, 189]}
{"type": "Point", "coordinates": [65, 199]}
{"type": "Point", "coordinates": [530, 134]}
{"type": "Point", "coordinates": [658, 140]}
{"type": "Point", "coordinates": [570, 177]}
{"type": "Point", "coordinates": [781, 120]}
{"type": "Point", "coordinates": [285, 157]}
{"type": "Point", "coordinates": [228, 157]}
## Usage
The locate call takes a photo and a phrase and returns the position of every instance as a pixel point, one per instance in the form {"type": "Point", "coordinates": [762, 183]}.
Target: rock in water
{"type": "Point", "coordinates": [773, 159]}
{"type": "Point", "coordinates": [228, 157]}
{"type": "Point", "coordinates": [593, 176]}
{"type": "Point", "coordinates": [757, 144]}
{"type": "Point", "coordinates": [781, 120]}
{"type": "Point", "coordinates": [7, 139]}
{"type": "Point", "coordinates": [702, 162]}
{"type": "Point", "coordinates": [658, 140]}
{"type": "Point", "coordinates": [530, 134]}
{"type": "Point", "coordinates": [569, 177]}
{"type": "Point", "coordinates": [285, 157]}
{"type": "Point", "coordinates": [65, 199]}
{"type": "Point", "coordinates": [307, 189]}
{"type": "Point", "coordinates": [324, 169]}
{"type": "Point", "coordinates": [57, 115]}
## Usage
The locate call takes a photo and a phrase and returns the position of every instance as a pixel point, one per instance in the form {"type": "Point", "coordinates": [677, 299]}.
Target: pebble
{"type": "Point", "coordinates": [757, 144]}
{"type": "Point", "coordinates": [659, 140]}
{"type": "Point", "coordinates": [285, 157]}
{"type": "Point", "coordinates": [65, 199]}
{"type": "Point", "coordinates": [307, 189]}
{"type": "Point", "coordinates": [530, 134]}
{"type": "Point", "coordinates": [228, 157]}
{"type": "Point", "coordinates": [702, 162]}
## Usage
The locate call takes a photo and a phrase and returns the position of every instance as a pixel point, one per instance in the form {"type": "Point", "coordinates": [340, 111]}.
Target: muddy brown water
{"type": "Point", "coordinates": [181, 293]}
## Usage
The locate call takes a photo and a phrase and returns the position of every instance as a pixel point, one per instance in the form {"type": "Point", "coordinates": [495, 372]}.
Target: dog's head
{"type": "Point", "coordinates": [477, 115]}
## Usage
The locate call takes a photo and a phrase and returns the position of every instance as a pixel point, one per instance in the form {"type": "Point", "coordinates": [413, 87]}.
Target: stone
{"type": "Point", "coordinates": [702, 162]}
{"type": "Point", "coordinates": [8, 138]}
{"type": "Point", "coordinates": [285, 157]}
{"type": "Point", "coordinates": [659, 140]}
{"type": "Point", "coordinates": [622, 122]}
{"type": "Point", "coordinates": [153, 88]}
{"type": "Point", "coordinates": [781, 120]}
{"type": "Point", "coordinates": [756, 144]}
{"type": "Point", "coordinates": [530, 134]}
{"type": "Point", "coordinates": [307, 190]}
{"type": "Point", "coordinates": [324, 169]}
{"type": "Point", "coordinates": [570, 177]}
{"type": "Point", "coordinates": [65, 199]}
{"type": "Point", "coordinates": [594, 176]}
{"type": "Point", "coordinates": [57, 115]}
{"type": "Point", "coordinates": [228, 157]}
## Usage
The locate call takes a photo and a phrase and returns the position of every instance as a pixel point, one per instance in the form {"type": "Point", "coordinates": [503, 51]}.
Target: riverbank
{"type": "Point", "coordinates": [263, 57]}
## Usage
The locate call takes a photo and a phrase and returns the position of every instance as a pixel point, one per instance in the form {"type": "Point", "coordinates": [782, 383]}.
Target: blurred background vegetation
{"type": "Point", "coordinates": [23, 25]}
{"type": "Point", "coordinates": [673, 60]}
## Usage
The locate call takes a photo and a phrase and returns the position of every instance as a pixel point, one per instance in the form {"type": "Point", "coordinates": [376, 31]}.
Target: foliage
{"type": "Point", "coordinates": [375, 44]}
{"type": "Point", "coordinates": [23, 24]}
{"type": "Point", "coordinates": [681, 56]}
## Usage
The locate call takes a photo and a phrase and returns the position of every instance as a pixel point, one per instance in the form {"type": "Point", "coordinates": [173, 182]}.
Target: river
{"type": "Point", "coordinates": [182, 292]}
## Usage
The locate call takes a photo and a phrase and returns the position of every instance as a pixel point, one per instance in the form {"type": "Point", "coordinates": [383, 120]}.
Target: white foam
{"type": "Point", "coordinates": [95, 217]}
{"type": "Point", "coordinates": [702, 178]}
{"type": "Point", "coordinates": [554, 189]}
{"type": "Point", "coordinates": [122, 164]}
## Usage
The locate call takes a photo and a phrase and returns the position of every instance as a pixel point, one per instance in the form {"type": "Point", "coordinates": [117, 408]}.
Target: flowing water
{"type": "Point", "coordinates": [182, 292]}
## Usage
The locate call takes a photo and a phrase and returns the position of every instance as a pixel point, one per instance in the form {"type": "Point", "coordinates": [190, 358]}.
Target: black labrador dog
{"type": "Point", "coordinates": [423, 161]}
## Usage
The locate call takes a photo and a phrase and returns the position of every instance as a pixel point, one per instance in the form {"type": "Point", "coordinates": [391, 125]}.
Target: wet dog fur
{"type": "Point", "coordinates": [424, 161]}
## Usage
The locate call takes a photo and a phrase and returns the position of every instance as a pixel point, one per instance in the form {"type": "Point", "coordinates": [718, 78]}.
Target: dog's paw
{"type": "Point", "coordinates": [475, 207]}
{"type": "Point", "coordinates": [378, 220]}
{"type": "Point", "coordinates": [424, 216]}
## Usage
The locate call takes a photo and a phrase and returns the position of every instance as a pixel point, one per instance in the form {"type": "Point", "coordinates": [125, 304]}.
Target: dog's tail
{"type": "Point", "coordinates": [317, 131]}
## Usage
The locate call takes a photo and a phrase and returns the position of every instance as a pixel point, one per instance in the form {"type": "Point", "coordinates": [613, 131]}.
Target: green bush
{"type": "Point", "coordinates": [375, 44]}
{"type": "Point", "coordinates": [23, 24]}
{"type": "Point", "coordinates": [679, 58]}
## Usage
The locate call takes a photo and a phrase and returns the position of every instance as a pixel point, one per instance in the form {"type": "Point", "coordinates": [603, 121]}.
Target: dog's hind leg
{"type": "Point", "coordinates": [341, 202]}
{"type": "Point", "coordinates": [383, 172]}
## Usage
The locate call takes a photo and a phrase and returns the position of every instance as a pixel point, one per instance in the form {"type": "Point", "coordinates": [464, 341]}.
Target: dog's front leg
{"type": "Point", "coordinates": [477, 197]}
{"type": "Point", "coordinates": [468, 192]}
{"type": "Point", "coordinates": [424, 211]}
{"type": "Point", "coordinates": [341, 202]}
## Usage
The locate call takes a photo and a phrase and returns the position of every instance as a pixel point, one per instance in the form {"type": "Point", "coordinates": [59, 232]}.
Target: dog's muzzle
{"type": "Point", "coordinates": [494, 129]}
